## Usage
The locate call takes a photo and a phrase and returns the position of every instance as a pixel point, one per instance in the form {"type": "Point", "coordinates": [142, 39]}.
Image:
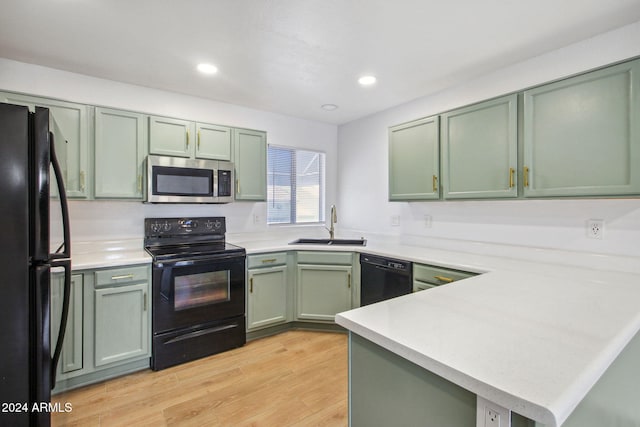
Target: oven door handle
{"type": "Point", "coordinates": [188, 262]}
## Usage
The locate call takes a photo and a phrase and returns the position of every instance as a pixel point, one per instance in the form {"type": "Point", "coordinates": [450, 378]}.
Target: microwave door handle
{"type": "Point", "coordinates": [63, 204]}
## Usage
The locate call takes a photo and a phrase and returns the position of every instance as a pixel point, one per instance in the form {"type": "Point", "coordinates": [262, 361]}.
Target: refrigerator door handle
{"type": "Point", "coordinates": [66, 264]}
{"type": "Point", "coordinates": [63, 204]}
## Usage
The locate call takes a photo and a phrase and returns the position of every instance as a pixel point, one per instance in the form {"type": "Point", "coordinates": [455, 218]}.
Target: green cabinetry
{"type": "Point", "coordinates": [71, 355]}
{"type": "Point", "coordinates": [121, 315]}
{"type": "Point", "coordinates": [324, 284]}
{"type": "Point", "coordinates": [70, 124]}
{"type": "Point", "coordinates": [414, 153]}
{"type": "Point", "coordinates": [250, 161]}
{"type": "Point", "coordinates": [582, 135]}
{"type": "Point", "coordinates": [267, 294]}
{"type": "Point", "coordinates": [428, 276]}
{"type": "Point", "coordinates": [213, 142]}
{"type": "Point", "coordinates": [183, 138]}
{"type": "Point", "coordinates": [479, 150]}
{"type": "Point", "coordinates": [120, 149]}
{"type": "Point", "coordinates": [109, 325]}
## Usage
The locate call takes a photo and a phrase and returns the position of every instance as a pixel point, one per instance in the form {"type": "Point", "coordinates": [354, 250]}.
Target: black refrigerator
{"type": "Point", "coordinates": [27, 362]}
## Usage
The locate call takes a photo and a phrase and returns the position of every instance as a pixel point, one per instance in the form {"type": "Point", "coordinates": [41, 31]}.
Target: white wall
{"type": "Point", "coordinates": [363, 157]}
{"type": "Point", "coordinates": [106, 219]}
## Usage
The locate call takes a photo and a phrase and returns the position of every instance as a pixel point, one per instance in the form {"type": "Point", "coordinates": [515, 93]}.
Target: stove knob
{"type": "Point", "coordinates": [208, 225]}
{"type": "Point", "coordinates": [217, 224]}
{"type": "Point", "coordinates": [166, 226]}
{"type": "Point", "coordinates": [155, 227]}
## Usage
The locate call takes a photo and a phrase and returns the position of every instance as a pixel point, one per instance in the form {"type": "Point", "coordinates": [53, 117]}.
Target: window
{"type": "Point", "coordinates": [295, 186]}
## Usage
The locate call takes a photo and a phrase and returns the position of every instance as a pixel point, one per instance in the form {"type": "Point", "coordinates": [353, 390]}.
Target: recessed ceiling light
{"type": "Point", "coordinates": [207, 68]}
{"type": "Point", "coordinates": [329, 107]}
{"type": "Point", "coordinates": [367, 80]}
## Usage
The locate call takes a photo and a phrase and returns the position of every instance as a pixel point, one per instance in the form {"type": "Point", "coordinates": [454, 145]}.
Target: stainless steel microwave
{"type": "Point", "coordinates": [178, 180]}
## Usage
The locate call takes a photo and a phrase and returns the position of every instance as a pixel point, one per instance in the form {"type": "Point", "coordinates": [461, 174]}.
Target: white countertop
{"type": "Point", "coordinates": [531, 335]}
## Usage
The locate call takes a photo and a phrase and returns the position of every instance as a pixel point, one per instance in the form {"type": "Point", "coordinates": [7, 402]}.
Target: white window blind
{"type": "Point", "coordinates": [295, 186]}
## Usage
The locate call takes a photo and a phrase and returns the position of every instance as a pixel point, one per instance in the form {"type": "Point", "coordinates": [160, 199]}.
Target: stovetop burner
{"type": "Point", "coordinates": [179, 238]}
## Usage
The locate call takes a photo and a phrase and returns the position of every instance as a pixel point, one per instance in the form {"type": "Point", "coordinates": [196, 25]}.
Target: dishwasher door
{"type": "Point", "coordinates": [383, 278]}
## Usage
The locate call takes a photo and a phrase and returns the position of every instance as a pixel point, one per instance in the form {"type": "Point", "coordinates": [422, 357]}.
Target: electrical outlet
{"type": "Point", "coordinates": [395, 220]}
{"type": "Point", "coordinates": [427, 221]}
{"type": "Point", "coordinates": [490, 414]}
{"type": "Point", "coordinates": [256, 219]}
{"type": "Point", "coordinates": [595, 229]}
{"type": "Point", "coordinates": [491, 418]}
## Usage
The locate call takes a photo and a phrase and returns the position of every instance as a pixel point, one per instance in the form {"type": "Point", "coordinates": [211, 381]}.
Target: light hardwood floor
{"type": "Point", "coordinates": [297, 378]}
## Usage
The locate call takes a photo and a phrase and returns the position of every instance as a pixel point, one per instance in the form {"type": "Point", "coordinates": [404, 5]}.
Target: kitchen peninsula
{"type": "Point", "coordinates": [533, 342]}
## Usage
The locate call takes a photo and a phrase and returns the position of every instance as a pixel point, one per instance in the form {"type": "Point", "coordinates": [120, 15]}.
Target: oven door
{"type": "Point", "coordinates": [197, 292]}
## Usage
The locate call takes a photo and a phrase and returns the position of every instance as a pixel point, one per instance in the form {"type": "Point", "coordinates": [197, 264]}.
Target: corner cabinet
{"type": "Point", "coordinates": [250, 161]}
{"type": "Point", "coordinates": [70, 126]}
{"type": "Point", "coordinates": [268, 291]}
{"type": "Point", "coordinates": [414, 160]}
{"type": "Point", "coordinates": [582, 135]}
{"type": "Point", "coordinates": [109, 325]}
{"type": "Point", "coordinates": [324, 284]}
{"type": "Point", "coordinates": [479, 150]}
{"type": "Point", "coordinates": [120, 149]}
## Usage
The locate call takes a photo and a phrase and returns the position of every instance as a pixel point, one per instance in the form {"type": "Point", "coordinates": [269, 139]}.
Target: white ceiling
{"type": "Point", "coordinates": [292, 56]}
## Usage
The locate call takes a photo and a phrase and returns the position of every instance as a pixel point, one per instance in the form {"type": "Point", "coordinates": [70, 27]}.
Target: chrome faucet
{"type": "Point", "coordinates": [334, 219]}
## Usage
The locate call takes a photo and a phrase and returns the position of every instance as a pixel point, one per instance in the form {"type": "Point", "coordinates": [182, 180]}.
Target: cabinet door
{"type": "Point", "coordinates": [70, 124]}
{"type": "Point", "coordinates": [582, 136]}
{"type": "Point", "coordinates": [171, 137]}
{"type": "Point", "coordinates": [119, 153]}
{"type": "Point", "coordinates": [413, 160]}
{"type": "Point", "coordinates": [213, 142]}
{"type": "Point", "coordinates": [479, 150]}
{"type": "Point", "coordinates": [121, 323]}
{"type": "Point", "coordinates": [267, 296]}
{"type": "Point", "coordinates": [71, 356]}
{"type": "Point", "coordinates": [323, 291]}
{"type": "Point", "coordinates": [250, 159]}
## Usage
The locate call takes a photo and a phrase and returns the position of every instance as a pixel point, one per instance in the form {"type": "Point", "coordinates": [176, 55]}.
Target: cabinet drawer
{"type": "Point", "coordinates": [122, 275]}
{"type": "Point", "coordinates": [437, 275]}
{"type": "Point", "coordinates": [320, 257]}
{"type": "Point", "coordinates": [266, 260]}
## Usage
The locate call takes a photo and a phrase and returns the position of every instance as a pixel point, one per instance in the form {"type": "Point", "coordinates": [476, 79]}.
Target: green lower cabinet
{"type": "Point", "coordinates": [388, 390]}
{"type": "Point", "coordinates": [414, 153]}
{"type": "Point", "coordinates": [250, 161]}
{"type": "Point", "coordinates": [479, 150]}
{"type": "Point", "coordinates": [121, 323]}
{"type": "Point", "coordinates": [72, 354]}
{"type": "Point", "coordinates": [120, 149]}
{"type": "Point", "coordinates": [267, 296]}
{"type": "Point", "coordinates": [582, 135]}
{"type": "Point", "coordinates": [323, 291]}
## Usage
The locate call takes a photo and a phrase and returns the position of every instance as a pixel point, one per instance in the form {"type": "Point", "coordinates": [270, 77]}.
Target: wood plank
{"type": "Point", "coordinates": [295, 378]}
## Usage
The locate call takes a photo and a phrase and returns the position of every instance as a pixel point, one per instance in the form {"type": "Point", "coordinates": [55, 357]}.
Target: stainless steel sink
{"type": "Point", "coordinates": [333, 242]}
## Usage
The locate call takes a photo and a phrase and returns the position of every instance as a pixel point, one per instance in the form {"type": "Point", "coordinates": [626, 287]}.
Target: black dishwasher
{"type": "Point", "coordinates": [383, 278]}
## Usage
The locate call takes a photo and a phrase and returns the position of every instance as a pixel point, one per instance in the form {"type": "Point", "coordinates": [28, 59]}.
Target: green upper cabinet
{"type": "Point", "coordinates": [70, 125]}
{"type": "Point", "coordinates": [171, 137]}
{"type": "Point", "coordinates": [479, 150]}
{"type": "Point", "coordinates": [120, 148]}
{"type": "Point", "coordinates": [183, 138]}
{"type": "Point", "coordinates": [582, 136]}
{"type": "Point", "coordinates": [413, 160]}
{"type": "Point", "coordinates": [213, 142]}
{"type": "Point", "coordinates": [250, 161]}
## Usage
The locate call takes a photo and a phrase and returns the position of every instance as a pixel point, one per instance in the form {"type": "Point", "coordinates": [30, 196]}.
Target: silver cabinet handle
{"type": "Point", "coordinates": [124, 276]}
